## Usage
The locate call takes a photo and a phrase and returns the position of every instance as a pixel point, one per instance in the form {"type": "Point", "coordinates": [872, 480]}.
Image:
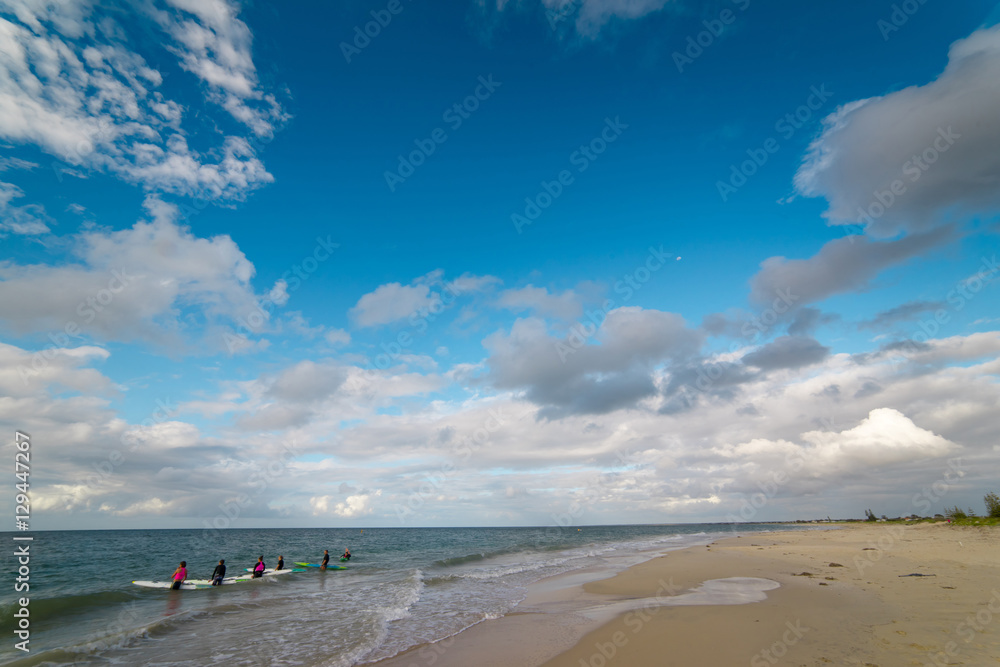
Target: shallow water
{"type": "Point", "coordinates": [403, 587]}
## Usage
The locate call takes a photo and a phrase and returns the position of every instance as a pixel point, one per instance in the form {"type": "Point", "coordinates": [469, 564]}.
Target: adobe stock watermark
{"type": "Point", "coordinates": [911, 171]}
{"type": "Point", "coordinates": [785, 127]}
{"type": "Point", "coordinates": [581, 159]}
{"type": "Point", "coordinates": [714, 28]}
{"type": "Point", "coordinates": [130, 439]}
{"type": "Point", "coordinates": [556, 15]}
{"type": "Point", "coordinates": [419, 321]}
{"type": "Point", "coordinates": [89, 309]}
{"type": "Point", "coordinates": [899, 17]}
{"type": "Point", "coordinates": [768, 489]}
{"type": "Point", "coordinates": [112, 634]}
{"type": "Point", "coordinates": [628, 286]}
{"type": "Point", "coordinates": [463, 450]}
{"type": "Point", "coordinates": [455, 115]}
{"type": "Point", "coordinates": [963, 292]}
{"type": "Point", "coordinates": [966, 631]}
{"type": "Point", "coordinates": [362, 38]}
{"type": "Point", "coordinates": [591, 494]}
{"type": "Point", "coordinates": [605, 652]}
{"type": "Point", "coordinates": [261, 477]}
{"type": "Point", "coordinates": [760, 324]}
{"type": "Point", "coordinates": [291, 280]}
{"type": "Point", "coordinates": [709, 374]}
{"type": "Point", "coordinates": [776, 651]}
{"type": "Point", "coordinates": [891, 535]}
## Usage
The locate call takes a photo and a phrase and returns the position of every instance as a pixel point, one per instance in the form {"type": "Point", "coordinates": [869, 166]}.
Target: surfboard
{"type": "Point", "coordinates": [271, 572]}
{"type": "Point", "coordinates": [225, 582]}
{"type": "Point", "coordinates": [329, 567]}
{"type": "Point", "coordinates": [186, 586]}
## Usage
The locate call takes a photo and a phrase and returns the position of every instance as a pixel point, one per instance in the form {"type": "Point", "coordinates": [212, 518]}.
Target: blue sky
{"type": "Point", "coordinates": [622, 244]}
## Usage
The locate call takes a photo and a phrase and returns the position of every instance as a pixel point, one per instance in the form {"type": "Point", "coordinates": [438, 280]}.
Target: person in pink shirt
{"type": "Point", "coordinates": [180, 574]}
{"type": "Point", "coordinates": [258, 569]}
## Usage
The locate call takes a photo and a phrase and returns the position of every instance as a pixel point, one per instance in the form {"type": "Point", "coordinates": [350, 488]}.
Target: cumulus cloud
{"type": "Point", "coordinates": [573, 375]}
{"type": "Point", "coordinates": [71, 85]}
{"type": "Point", "coordinates": [390, 303]}
{"type": "Point", "coordinates": [644, 464]}
{"type": "Point", "coordinates": [140, 283]}
{"type": "Point", "coordinates": [428, 294]}
{"type": "Point", "coordinates": [565, 306]}
{"type": "Point", "coordinates": [349, 508]}
{"type": "Point", "coordinates": [939, 142]}
{"type": "Point", "coordinates": [883, 438]}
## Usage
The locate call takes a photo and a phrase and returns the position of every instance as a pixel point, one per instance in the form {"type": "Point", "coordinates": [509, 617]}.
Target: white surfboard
{"type": "Point", "coordinates": [272, 573]}
{"type": "Point", "coordinates": [186, 586]}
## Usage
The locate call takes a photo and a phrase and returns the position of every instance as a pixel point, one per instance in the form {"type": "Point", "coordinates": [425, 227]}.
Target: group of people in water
{"type": "Point", "coordinates": [180, 574]}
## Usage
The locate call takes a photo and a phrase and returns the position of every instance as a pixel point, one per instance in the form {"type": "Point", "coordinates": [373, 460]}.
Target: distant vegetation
{"type": "Point", "coordinates": [955, 514]}
{"type": "Point", "coordinates": [992, 505]}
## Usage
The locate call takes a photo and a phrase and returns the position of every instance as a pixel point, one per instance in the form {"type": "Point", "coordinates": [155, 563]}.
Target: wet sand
{"type": "Point", "coordinates": [837, 597]}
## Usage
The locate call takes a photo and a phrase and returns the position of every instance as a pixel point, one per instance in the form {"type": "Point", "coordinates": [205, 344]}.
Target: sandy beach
{"type": "Point", "coordinates": [840, 596]}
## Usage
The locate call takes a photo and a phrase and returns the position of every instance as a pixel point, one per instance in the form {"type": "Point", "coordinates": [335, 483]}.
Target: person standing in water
{"type": "Point", "coordinates": [326, 559]}
{"type": "Point", "coordinates": [281, 563]}
{"type": "Point", "coordinates": [258, 569]}
{"type": "Point", "coordinates": [219, 574]}
{"type": "Point", "coordinates": [179, 575]}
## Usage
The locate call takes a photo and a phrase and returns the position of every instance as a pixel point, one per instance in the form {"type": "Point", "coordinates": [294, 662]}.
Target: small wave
{"type": "Point", "coordinates": [115, 636]}
{"type": "Point", "coordinates": [459, 560]}
{"type": "Point", "coordinates": [406, 599]}
{"type": "Point", "coordinates": [43, 609]}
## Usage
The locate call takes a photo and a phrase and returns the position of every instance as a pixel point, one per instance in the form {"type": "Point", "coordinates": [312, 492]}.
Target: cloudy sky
{"type": "Point", "coordinates": [524, 262]}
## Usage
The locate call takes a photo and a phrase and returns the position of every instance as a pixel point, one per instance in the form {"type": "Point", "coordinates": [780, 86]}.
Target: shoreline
{"type": "Point", "coordinates": [842, 595]}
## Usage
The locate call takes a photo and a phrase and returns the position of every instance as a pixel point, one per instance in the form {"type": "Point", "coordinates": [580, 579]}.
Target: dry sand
{"type": "Point", "coordinates": [842, 599]}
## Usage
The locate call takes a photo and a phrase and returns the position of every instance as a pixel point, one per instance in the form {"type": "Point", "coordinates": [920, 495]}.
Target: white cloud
{"type": "Point", "coordinates": [28, 220]}
{"type": "Point", "coordinates": [468, 283]}
{"type": "Point", "coordinates": [337, 337]}
{"type": "Point", "coordinates": [586, 17]}
{"type": "Point", "coordinates": [426, 295]}
{"type": "Point", "coordinates": [883, 438]}
{"type": "Point", "coordinates": [565, 306]}
{"type": "Point", "coordinates": [841, 265]}
{"type": "Point", "coordinates": [134, 284]}
{"type": "Point", "coordinates": [940, 141]}
{"type": "Point", "coordinates": [16, 163]}
{"type": "Point", "coordinates": [70, 85]}
{"type": "Point", "coordinates": [351, 507]}
{"type": "Point", "coordinates": [390, 303]}
{"type": "Point", "coordinates": [605, 371]}
{"type": "Point", "coordinates": [860, 449]}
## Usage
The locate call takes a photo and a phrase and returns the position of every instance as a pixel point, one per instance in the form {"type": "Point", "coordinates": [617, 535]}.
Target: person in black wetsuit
{"type": "Point", "coordinates": [219, 574]}
{"type": "Point", "coordinates": [326, 559]}
{"type": "Point", "coordinates": [347, 554]}
{"type": "Point", "coordinates": [281, 563]}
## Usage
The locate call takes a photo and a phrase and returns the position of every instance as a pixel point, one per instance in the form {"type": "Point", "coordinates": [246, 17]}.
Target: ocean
{"type": "Point", "coordinates": [403, 587]}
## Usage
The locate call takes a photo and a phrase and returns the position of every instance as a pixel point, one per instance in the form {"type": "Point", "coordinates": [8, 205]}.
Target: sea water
{"type": "Point", "coordinates": [403, 587]}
